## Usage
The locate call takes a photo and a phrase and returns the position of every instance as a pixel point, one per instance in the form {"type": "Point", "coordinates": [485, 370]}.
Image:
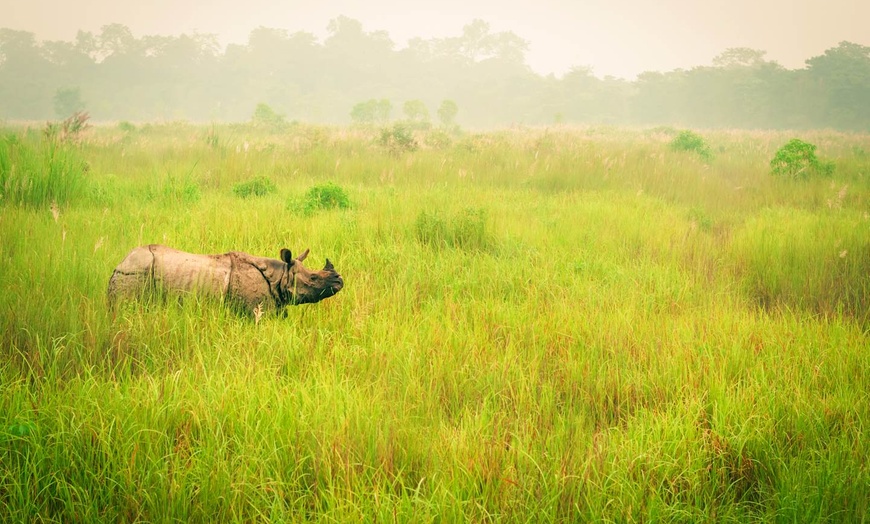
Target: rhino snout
{"type": "Point", "coordinates": [334, 285]}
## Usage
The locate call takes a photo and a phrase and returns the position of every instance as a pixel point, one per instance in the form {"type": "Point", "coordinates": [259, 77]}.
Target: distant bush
{"type": "Point", "coordinates": [469, 229]}
{"type": "Point", "coordinates": [437, 139]}
{"type": "Point", "coordinates": [398, 138]}
{"type": "Point", "coordinates": [692, 142]}
{"type": "Point", "coordinates": [265, 116]}
{"type": "Point", "coordinates": [321, 197]}
{"type": "Point", "coordinates": [447, 112]}
{"type": "Point", "coordinates": [126, 126]}
{"type": "Point", "coordinates": [797, 159]}
{"type": "Point", "coordinates": [662, 130]}
{"type": "Point", "coordinates": [258, 186]}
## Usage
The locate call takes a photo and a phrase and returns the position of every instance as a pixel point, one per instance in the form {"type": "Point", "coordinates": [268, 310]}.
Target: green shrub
{"type": "Point", "coordinates": [398, 138]}
{"type": "Point", "coordinates": [320, 197]}
{"type": "Point", "coordinates": [797, 159]}
{"type": "Point", "coordinates": [258, 186]}
{"type": "Point", "coordinates": [265, 116]}
{"type": "Point", "coordinates": [468, 229]}
{"type": "Point", "coordinates": [438, 139]}
{"type": "Point", "coordinates": [692, 142]}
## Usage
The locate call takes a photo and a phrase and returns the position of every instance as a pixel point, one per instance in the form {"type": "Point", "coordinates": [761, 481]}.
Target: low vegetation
{"type": "Point", "coordinates": [567, 324]}
{"type": "Point", "coordinates": [255, 187]}
{"type": "Point", "coordinates": [797, 159]}
{"type": "Point", "coordinates": [690, 141]}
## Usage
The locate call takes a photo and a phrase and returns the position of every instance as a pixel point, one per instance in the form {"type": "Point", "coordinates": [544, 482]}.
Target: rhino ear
{"type": "Point", "coordinates": [287, 256]}
{"type": "Point", "coordinates": [302, 256]}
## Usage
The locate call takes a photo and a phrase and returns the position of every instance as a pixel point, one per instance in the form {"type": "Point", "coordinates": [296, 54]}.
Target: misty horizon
{"type": "Point", "coordinates": [617, 38]}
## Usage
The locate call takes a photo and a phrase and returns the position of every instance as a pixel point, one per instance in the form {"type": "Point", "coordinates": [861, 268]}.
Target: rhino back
{"type": "Point", "coordinates": [181, 271]}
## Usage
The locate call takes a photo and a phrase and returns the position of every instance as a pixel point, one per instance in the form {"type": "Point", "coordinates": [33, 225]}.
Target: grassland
{"type": "Point", "coordinates": [539, 325]}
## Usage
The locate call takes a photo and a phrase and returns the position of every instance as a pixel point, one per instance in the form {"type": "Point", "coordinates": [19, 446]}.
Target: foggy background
{"type": "Point", "coordinates": [710, 64]}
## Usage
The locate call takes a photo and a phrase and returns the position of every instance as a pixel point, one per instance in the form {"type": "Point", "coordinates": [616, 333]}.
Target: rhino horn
{"type": "Point", "coordinates": [328, 266]}
{"type": "Point", "coordinates": [301, 257]}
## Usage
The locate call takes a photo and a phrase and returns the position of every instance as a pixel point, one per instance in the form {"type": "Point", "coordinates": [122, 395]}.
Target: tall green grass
{"type": "Point", "coordinates": [37, 172]}
{"type": "Point", "coordinates": [547, 325]}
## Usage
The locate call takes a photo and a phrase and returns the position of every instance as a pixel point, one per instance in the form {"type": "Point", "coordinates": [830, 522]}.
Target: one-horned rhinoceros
{"type": "Point", "coordinates": [241, 279]}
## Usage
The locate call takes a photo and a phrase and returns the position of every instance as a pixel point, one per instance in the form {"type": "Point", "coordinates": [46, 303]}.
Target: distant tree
{"type": "Point", "coordinates": [739, 57]}
{"type": "Point", "coordinates": [841, 78]}
{"type": "Point", "coordinates": [67, 101]}
{"type": "Point", "coordinates": [25, 77]}
{"type": "Point", "coordinates": [115, 40]}
{"type": "Point", "coordinates": [371, 111]}
{"type": "Point", "coordinates": [477, 43]}
{"type": "Point", "coordinates": [416, 111]}
{"type": "Point", "coordinates": [363, 113]}
{"type": "Point", "coordinates": [383, 110]}
{"type": "Point", "coordinates": [266, 116]}
{"type": "Point", "coordinates": [447, 112]}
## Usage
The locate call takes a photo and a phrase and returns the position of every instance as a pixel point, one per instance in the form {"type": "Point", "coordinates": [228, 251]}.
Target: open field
{"type": "Point", "coordinates": [537, 325]}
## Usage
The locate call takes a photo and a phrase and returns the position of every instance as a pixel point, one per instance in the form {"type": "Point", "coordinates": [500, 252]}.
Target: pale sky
{"type": "Point", "coordinates": [614, 37]}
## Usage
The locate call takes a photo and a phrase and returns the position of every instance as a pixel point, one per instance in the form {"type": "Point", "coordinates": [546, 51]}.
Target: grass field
{"type": "Point", "coordinates": [537, 325]}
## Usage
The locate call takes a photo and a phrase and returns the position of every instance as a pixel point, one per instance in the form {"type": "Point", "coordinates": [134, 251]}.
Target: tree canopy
{"type": "Point", "coordinates": [358, 75]}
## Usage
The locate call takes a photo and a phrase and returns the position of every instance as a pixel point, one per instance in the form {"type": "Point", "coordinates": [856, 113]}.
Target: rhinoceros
{"type": "Point", "coordinates": [241, 279]}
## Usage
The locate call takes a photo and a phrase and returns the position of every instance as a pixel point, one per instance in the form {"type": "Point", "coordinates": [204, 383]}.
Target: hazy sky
{"type": "Point", "coordinates": [614, 37]}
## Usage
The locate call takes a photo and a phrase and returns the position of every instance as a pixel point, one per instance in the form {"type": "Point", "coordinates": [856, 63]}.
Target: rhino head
{"type": "Point", "coordinates": [301, 285]}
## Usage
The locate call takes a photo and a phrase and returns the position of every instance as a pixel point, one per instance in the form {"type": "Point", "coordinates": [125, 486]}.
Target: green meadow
{"type": "Point", "coordinates": [537, 325]}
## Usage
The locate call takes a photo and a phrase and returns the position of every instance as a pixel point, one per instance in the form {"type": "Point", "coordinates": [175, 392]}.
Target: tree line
{"type": "Point", "coordinates": [353, 73]}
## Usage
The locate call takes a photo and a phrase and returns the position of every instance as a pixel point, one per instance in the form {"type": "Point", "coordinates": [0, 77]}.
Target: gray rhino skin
{"type": "Point", "coordinates": [243, 280]}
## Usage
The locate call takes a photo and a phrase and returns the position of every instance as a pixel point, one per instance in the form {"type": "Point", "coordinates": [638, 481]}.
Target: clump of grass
{"type": "Point", "coordinates": [320, 197]}
{"type": "Point", "coordinates": [42, 172]}
{"type": "Point", "coordinates": [797, 159]}
{"type": "Point", "coordinates": [700, 219]}
{"type": "Point", "coordinates": [798, 260]}
{"type": "Point", "coordinates": [256, 187]}
{"type": "Point", "coordinates": [68, 130]}
{"type": "Point", "coordinates": [175, 190]}
{"type": "Point", "coordinates": [689, 141]}
{"type": "Point", "coordinates": [468, 229]}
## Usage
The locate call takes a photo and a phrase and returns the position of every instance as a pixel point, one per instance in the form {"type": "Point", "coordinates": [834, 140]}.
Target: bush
{"type": "Point", "coordinates": [398, 138]}
{"type": "Point", "coordinates": [258, 186]}
{"type": "Point", "coordinates": [437, 139]}
{"type": "Point", "coordinates": [320, 197]}
{"type": "Point", "coordinates": [265, 116]}
{"type": "Point", "coordinates": [797, 159]}
{"type": "Point", "coordinates": [469, 229]}
{"type": "Point", "coordinates": [692, 142]}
